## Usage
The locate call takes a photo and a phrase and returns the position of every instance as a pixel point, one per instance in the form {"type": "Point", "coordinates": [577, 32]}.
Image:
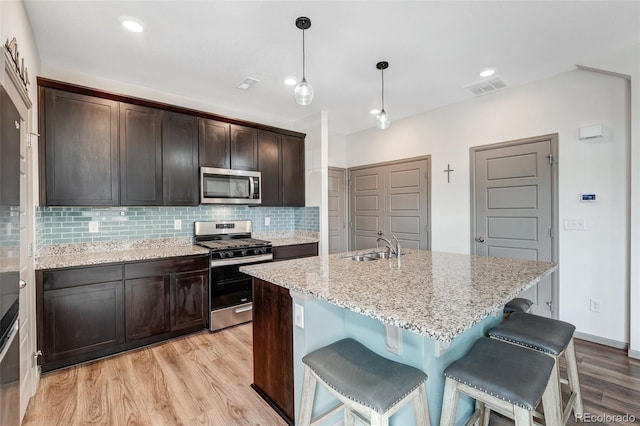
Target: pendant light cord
{"type": "Point", "coordinates": [382, 70]}
{"type": "Point", "coordinates": [303, 57]}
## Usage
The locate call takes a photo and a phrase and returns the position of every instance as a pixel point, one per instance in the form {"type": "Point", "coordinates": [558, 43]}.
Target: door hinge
{"type": "Point", "coordinates": [551, 232]}
{"type": "Point", "coordinates": [37, 355]}
{"type": "Point", "coordinates": [550, 157]}
{"type": "Point", "coordinates": [550, 305]}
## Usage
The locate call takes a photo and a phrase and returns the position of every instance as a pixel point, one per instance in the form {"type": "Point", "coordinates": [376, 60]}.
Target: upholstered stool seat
{"type": "Point", "coordinates": [362, 381]}
{"type": "Point", "coordinates": [519, 304]}
{"type": "Point", "coordinates": [550, 336]}
{"type": "Point", "coordinates": [509, 377]}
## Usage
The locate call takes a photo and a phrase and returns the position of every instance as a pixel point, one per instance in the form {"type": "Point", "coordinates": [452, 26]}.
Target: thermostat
{"type": "Point", "coordinates": [588, 198]}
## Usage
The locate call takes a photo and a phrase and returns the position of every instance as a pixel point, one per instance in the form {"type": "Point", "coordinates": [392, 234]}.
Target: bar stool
{"type": "Point", "coordinates": [365, 383]}
{"type": "Point", "coordinates": [552, 337]}
{"type": "Point", "coordinates": [519, 304]}
{"type": "Point", "coordinates": [508, 378]}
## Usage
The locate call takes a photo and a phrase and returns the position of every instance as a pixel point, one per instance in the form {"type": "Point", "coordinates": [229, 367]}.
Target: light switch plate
{"type": "Point", "coordinates": [177, 224]}
{"type": "Point", "coordinates": [575, 224]}
{"type": "Point", "coordinates": [94, 227]}
{"type": "Point", "coordinates": [267, 221]}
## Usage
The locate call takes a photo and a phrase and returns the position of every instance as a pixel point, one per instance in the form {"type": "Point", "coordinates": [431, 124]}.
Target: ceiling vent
{"type": "Point", "coordinates": [246, 83]}
{"type": "Point", "coordinates": [488, 85]}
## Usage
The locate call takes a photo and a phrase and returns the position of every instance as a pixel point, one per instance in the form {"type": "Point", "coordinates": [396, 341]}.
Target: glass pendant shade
{"type": "Point", "coordinates": [303, 92]}
{"type": "Point", "coordinates": [383, 120]}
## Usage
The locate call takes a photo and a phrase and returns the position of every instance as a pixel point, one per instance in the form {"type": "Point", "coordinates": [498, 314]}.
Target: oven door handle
{"type": "Point", "coordinates": [241, 260]}
{"type": "Point", "coordinates": [245, 309]}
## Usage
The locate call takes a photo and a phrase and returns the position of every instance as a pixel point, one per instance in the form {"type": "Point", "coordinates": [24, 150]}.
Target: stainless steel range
{"type": "Point", "coordinates": [230, 245]}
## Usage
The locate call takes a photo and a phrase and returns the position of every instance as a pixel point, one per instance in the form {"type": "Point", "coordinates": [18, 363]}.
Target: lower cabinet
{"type": "Point", "coordinates": [295, 251]}
{"type": "Point", "coordinates": [86, 313]}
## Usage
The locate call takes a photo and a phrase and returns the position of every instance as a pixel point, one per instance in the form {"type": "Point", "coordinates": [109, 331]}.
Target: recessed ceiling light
{"type": "Point", "coordinates": [290, 81]}
{"type": "Point", "coordinates": [488, 72]}
{"type": "Point", "coordinates": [374, 111]}
{"type": "Point", "coordinates": [246, 83]}
{"type": "Point", "coordinates": [132, 24]}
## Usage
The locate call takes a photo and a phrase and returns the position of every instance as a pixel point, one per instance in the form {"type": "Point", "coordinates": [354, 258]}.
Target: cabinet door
{"type": "Point", "coordinates": [269, 166]}
{"type": "Point", "coordinates": [293, 186]}
{"type": "Point", "coordinates": [244, 148]}
{"type": "Point", "coordinates": [79, 150]}
{"type": "Point", "coordinates": [82, 319]}
{"type": "Point", "coordinates": [147, 307]}
{"type": "Point", "coordinates": [214, 137]}
{"type": "Point", "coordinates": [9, 151]}
{"type": "Point", "coordinates": [189, 302]}
{"type": "Point", "coordinates": [140, 156]}
{"type": "Point", "coordinates": [179, 160]}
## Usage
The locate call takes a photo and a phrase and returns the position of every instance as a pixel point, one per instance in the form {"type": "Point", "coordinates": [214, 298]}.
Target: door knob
{"type": "Point", "coordinates": [23, 284]}
{"type": "Point", "coordinates": [479, 239]}
{"type": "Point", "coordinates": [380, 232]}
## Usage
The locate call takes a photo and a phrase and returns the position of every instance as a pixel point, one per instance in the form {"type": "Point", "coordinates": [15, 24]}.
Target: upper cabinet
{"type": "Point", "coordinates": [103, 149]}
{"type": "Point", "coordinates": [244, 148]}
{"type": "Point", "coordinates": [180, 159]}
{"type": "Point", "coordinates": [80, 150]}
{"type": "Point", "coordinates": [215, 148]}
{"type": "Point", "coordinates": [281, 162]}
{"type": "Point", "coordinates": [140, 156]}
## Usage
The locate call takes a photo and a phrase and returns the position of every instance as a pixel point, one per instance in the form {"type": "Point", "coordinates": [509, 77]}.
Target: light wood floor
{"type": "Point", "coordinates": [203, 379]}
{"type": "Point", "coordinates": [200, 379]}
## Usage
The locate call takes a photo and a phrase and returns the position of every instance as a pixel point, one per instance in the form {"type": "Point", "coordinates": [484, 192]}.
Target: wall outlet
{"type": "Point", "coordinates": [267, 221]}
{"type": "Point", "coordinates": [575, 224]}
{"type": "Point", "coordinates": [298, 318]}
{"type": "Point", "coordinates": [177, 224]}
{"type": "Point", "coordinates": [594, 305]}
{"type": "Point", "coordinates": [94, 226]}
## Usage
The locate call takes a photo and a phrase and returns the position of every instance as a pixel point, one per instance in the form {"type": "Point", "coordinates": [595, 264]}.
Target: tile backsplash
{"type": "Point", "coordinates": [62, 225]}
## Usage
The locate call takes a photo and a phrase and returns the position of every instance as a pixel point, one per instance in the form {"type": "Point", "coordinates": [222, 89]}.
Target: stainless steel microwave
{"type": "Point", "coordinates": [224, 186]}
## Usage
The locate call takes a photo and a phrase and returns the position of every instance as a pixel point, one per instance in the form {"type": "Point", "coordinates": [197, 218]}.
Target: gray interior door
{"type": "Point", "coordinates": [513, 200]}
{"type": "Point", "coordinates": [337, 210]}
{"type": "Point", "coordinates": [390, 198]}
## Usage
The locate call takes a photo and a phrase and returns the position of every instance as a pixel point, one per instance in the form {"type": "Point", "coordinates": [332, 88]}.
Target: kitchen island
{"type": "Point", "coordinates": [425, 309]}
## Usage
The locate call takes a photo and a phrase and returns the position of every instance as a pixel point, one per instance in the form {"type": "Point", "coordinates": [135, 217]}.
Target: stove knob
{"type": "Point", "coordinates": [229, 254]}
{"type": "Point", "coordinates": [222, 255]}
{"type": "Point", "coordinates": [256, 251]}
{"type": "Point", "coordinates": [243, 252]}
{"type": "Point", "coordinates": [263, 250]}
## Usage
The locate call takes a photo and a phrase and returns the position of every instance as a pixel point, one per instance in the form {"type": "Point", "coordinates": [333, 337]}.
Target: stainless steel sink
{"type": "Point", "coordinates": [361, 258]}
{"type": "Point", "coordinates": [367, 257]}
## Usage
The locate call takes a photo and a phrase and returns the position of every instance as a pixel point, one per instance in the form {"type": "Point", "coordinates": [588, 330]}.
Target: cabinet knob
{"type": "Point", "coordinates": [23, 284]}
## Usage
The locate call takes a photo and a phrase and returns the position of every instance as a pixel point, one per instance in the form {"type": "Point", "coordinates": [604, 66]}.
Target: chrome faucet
{"type": "Point", "coordinates": [392, 250]}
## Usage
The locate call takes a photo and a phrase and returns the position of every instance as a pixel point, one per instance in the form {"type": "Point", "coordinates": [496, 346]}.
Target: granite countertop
{"type": "Point", "coordinates": [439, 295]}
{"type": "Point", "coordinates": [287, 238]}
{"type": "Point", "coordinates": [68, 255]}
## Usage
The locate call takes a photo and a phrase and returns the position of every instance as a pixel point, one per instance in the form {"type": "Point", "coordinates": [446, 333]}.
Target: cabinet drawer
{"type": "Point", "coordinates": [295, 251]}
{"type": "Point", "coordinates": [172, 265]}
{"type": "Point", "coordinates": [73, 277]}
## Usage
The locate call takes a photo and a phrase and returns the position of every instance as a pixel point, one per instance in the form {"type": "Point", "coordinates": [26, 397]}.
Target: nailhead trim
{"type": "Point", "coordinates": [324, 381]}
{"type": "Point", "coordinates": [528, 345]}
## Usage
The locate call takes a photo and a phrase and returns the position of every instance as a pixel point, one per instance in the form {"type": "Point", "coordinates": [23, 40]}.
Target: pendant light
{"type": "Point", "coordinates": [382, 119]}
{"type": "Point", "coordinates": [303, 91]}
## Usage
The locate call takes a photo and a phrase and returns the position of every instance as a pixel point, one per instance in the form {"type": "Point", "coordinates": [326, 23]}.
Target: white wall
{"type": "Point", "coordinates": [593, 263]}
{"type": "Point", "coordinates": [627, 62]}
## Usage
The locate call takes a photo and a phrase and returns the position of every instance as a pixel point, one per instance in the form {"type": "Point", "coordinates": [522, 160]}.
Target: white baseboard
{"type": "Point", "coordinates": [634, 354]}
{"type": "Point", "coordinates": [601, 340]}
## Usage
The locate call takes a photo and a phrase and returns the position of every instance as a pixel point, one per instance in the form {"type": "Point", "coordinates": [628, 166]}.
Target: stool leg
{"type": "Point", "coordinates": [308, 395]}
{"type": "Point", "coordinates": [379, 419]}
{"type": "Point", "coordinates": [482, 409]}
{"type": "Point", "coordinates": [349, 419]}
{"type": "Point", "coordinates": [572, 373]}
{"type": "Point", "coordinates": [552, 400]}
{"type": "Point", "coordinates": [522, 417]}
{"type": "Point", "coordinates": [421, 407]}
{"type": "Point", "coordinates": [449, 403]}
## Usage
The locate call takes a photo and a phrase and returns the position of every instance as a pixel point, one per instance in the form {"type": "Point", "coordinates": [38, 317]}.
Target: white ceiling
{"type": "Point", "coordinates": [201, 49]}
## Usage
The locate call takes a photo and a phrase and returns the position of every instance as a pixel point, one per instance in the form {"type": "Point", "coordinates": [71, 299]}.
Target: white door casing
{"type": "Point", "coordinates": [337, 210]}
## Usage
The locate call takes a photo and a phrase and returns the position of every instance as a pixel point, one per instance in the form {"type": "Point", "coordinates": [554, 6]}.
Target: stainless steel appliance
{"type": "Point", "coordinates": [224, 186]}
{"type": "Point", "coordinates": [230, 246]}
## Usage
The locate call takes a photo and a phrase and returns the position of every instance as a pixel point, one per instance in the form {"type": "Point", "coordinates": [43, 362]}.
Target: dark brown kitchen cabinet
{"type": "Point", "coordinates": [10, 151]}
{"type": "Point", "coordinates": [269, 166]}
{"type": "Point", "coordinates": [84, 313]}
{"type": "Point", "coordinates": [140, 156]}
{"type": "Point", "coordinates": [295, 251]}
{"type": "Point", "coordinates": [281, 161]}
{"type": "Point", "coordinates": [273, 346]}
{"type": "Point", "coordinates": [180, 160]}
{"type": "Point", "coordinates": [173, 295]}
{"type": "Point", "coordinates": [214, 141]}
{"type": "Point", "coordinates": [244, 148]}
{"type": "Point", "coordinates": [79, 157]}
{"type": "Point", "coordinates": [80, 313]}
{"type": "Point", "coordinates": [147, 307]}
